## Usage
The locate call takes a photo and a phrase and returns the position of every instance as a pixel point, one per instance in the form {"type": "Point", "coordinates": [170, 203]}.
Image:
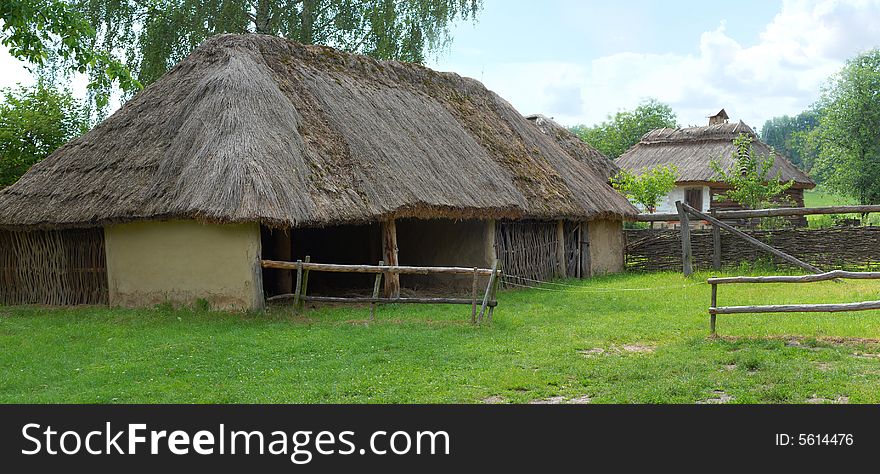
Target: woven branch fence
{"type": "Point", "coordinates": [833, 248]}
{"type": "Point", "coordinates": [65, 267]}
{"type": "Point", "coordinates": [526, 249]}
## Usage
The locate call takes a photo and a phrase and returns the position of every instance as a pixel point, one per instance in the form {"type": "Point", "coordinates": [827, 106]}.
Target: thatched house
{"type": "Point", "coordinates": [257, 147]}
{"type": "Point", "coordinates": [692, 150]}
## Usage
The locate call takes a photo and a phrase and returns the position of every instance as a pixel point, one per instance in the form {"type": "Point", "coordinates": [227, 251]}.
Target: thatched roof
{"type": "Point", "coordinates": [599, 163]}
{"type": "Point", "coordinates": [258, 128]}
{"type": "Point", "coordinates": [692, 149]}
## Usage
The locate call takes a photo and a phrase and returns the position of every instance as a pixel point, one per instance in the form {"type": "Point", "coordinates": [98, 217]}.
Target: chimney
{"type": "Point", "coordinates": [720, 117]}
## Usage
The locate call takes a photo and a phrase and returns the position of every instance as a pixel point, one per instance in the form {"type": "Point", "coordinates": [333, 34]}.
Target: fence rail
{"type": "Point", "coordinates": [777, 212]}
{"type": "Point", "coordinates": [714, 309]}
{"type": "Point", "coordinates": [486, 305]}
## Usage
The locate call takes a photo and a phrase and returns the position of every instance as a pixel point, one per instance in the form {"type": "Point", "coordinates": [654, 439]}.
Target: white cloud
{"type": "Point", "coordinates": [781, 73]}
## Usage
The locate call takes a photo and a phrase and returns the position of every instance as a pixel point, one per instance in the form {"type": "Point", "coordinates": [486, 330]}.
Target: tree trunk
{"type": "Point", "coordinates": [307, 29]}
{"type": "Point", "coordinates": [262, 17]}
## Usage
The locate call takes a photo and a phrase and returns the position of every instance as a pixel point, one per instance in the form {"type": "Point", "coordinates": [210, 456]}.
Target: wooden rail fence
{"type": "Point", "coordinates": [714, 309]}
{"type": "Point", "coordinates": [486, 304]}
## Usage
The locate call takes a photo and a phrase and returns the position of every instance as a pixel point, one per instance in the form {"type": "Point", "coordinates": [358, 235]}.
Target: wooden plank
{"type": "Point", "coordinates": [757, 243]}
{"type": "Point", "coordinates": [403, 270]}
{"type": "Point", "coordinates": [305, 281]}
{"type": "Point", "coordinates": [797, 308]}
{"type": "Point", "coordinates": [777, 212]}
{"type": "Point", "coordinates": [474, 299]}
{"type": "Point", "coordinates": [832, 275]}
{"type": "Point", "coordinates": [711, 314]}
{"type": "Point", "coordinates": [561, 267]}
{"type": "Point", "coordinates": [296, 290]}
{"type": "Point", "coordinates": [493, 296]}
{"type": "Point", "coordinates": [492, 279]}
{"type": "Point", "coordinates": [580, 245]}
{"type": "Point", "coordinates": [368, 299]}
{"type": "Point", "coordinates": [376, 285]}
{"type": "Point", "coordinates": [716, 245]}
{"type": "Point", "coordinates": [389, 254]}
{"type": "Point", "coordinates": [687, 259]}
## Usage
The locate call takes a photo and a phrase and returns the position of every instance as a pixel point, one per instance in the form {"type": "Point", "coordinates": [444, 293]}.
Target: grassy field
{"type": "Point", "coordinates": [595, 340]}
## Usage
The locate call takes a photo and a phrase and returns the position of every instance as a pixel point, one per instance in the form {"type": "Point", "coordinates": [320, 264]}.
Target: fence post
{"type": "Point", "coordinates": [305, 283]}
{"type": "Point", "coordinates": [474, 299]}
{"type": "Point", "coordinates": [492, 279]}
{"type": "Point", "coordinates": [376, 286]}
{"type": "Point", "coordinates": [686, 256]}
{"type": "Point", "coordinates": [716, 244]}
{"type": "Point", "coordinates": [493, 296]}
{"type": "Point", "coordinates": [713, 306]}
{"type": "Point", "coordinates": [296, 290]}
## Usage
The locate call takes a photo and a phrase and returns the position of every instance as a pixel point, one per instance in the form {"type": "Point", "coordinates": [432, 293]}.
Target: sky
{"type": "Point", "coordinates": [580, 61]}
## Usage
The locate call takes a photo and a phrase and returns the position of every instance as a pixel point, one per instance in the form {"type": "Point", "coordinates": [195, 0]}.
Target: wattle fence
{"type": "Point", "coordinates": [854, 248]}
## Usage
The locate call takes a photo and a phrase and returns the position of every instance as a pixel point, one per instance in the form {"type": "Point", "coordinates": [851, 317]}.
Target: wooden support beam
{"type": "Point", "coordinates": [687, 258]}
{"type": "Point", "coordinates": [494, 295]}
{"type": "Point", "coordinates": [561, 267]}
{"type": "Point", "coordinates": [389, 254]}
{"type": "Point", "coordinates": [474, 298]}
{"type": "Point", "coordinates": [748, 238]}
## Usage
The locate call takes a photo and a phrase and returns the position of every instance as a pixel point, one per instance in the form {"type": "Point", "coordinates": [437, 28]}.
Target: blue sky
{"type": "Point", "coordinates": [579, 61]}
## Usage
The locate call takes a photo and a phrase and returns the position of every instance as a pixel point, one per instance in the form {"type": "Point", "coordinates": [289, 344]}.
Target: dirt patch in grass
{"type": "Point", "coordinates": [840, 400]}
{"type": "Point", "coordinates": [720, 396]}
{"type": "Point", "coordinates": [582, 400]}
{"type": "Point", "coordinates": [494, 399]}
{"type": "Point", "coordinates": [618, 349]}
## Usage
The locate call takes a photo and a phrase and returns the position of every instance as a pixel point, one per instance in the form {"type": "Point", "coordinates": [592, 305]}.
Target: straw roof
{"type": "Point", "coordinates": [257, 128]}
{"type": "Point", "coordinates": [571, 143]}
{"type": "Point", "coordinates": [692, 149]}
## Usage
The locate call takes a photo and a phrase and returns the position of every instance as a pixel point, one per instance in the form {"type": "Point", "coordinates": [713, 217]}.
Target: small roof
{"type": "Point", "coordinates": [721, 113]}
{"type": "Point", "coordinates": [255, 128]}
{"type": "Point", "coordinates": [692, 149]}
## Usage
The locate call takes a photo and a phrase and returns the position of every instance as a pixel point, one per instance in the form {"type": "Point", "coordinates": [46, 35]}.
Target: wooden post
{"type": "Point", "coordinates": [560, 249]}
{"type": "Point", "coordinates": [493, 296]}
{"type": "Point", "coordinates": [389, 252]}
{"type": "Point", "coordinates": [299, 274]}
{"type": "Point", "coordinates": [474, 298]}
{"type": "Point", "coordinates": [376, 286]}
{"type": "Point", "coordinates": [305, 283]}
{"type": "Point", "coordinates": [492, 278]}
{"type": "Point", "coordinates": [712, 313]}
{"type": "Point", "coordinates": [716, 245]}
{"type": "Point", "coordinates": [580, 245]}
{"type": "Point", "coordinates": [686, 256]}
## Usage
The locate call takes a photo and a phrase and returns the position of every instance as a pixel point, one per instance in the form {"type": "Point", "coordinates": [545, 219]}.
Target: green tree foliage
{"type": "Point", "coordinates": [619, 132]}
{"type": "Point", "coordinates": [34, 121]}
{"type": "Point", "coordinates": [156, 34]}
{"type": "Point", "coordinates": [648, 187]}
{"type": "Point", "coordinates": [787, 135]}
{"type": "Point", "coordinates": [848, 136]}
{"type": "Point", "coordinates": [749, 178]}
{"type": "Point", "coordinates": [37, 30]}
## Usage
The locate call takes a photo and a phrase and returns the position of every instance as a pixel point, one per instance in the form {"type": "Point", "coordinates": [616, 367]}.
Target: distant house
{"type": "Point", "coordinates": [692, 149]}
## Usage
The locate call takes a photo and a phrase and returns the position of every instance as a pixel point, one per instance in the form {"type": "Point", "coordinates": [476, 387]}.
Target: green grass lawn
{"type": "Point", "coordinates": [594, 339]}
